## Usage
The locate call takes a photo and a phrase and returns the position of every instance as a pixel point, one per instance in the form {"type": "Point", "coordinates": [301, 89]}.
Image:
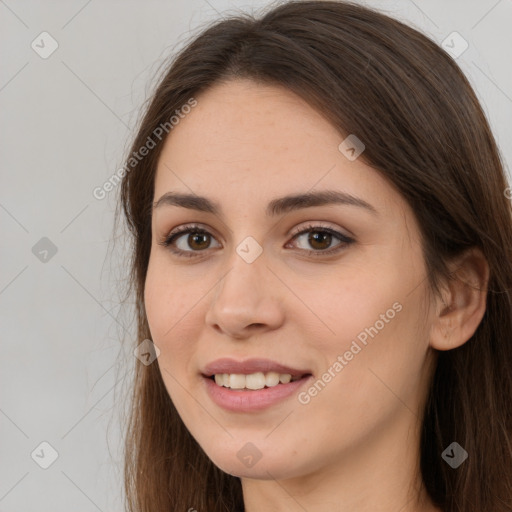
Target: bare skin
{"type": "Point", "coordinates": [353, 446]}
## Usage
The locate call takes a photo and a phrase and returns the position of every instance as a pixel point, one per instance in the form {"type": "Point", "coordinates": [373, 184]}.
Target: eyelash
{"type": "Point", "coordinates": [194, 228]}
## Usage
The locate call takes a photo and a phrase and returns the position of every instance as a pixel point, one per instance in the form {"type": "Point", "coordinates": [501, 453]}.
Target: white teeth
{"type": "Point", "coordinates": [272, 379]}
{"type": "Point", "coordinates": [253, 381]}
{"type": "Point", "coordinates": [284, 378]}
{"type": "Point", "coordinates": [237, 381]}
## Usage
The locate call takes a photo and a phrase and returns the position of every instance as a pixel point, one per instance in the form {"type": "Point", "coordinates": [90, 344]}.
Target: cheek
{"type": "Point", "coordinates": [172, 331]}
{"type": "Point", "coordinates": [387, 371]}
{"type": "Point", "coordinates": [348, 307]}
{"type": "Point", "coordinates": [165, 297]}
{"type": "Point", "coordinates": [372, 322]}
{"type": "Point", "coordinates": [158, 303]}
{"type": "Point", "coordinates": [170, 309]}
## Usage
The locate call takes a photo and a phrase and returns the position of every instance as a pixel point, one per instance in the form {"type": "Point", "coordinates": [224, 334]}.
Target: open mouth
{"type": "Point", "coordinates": [254, 381]}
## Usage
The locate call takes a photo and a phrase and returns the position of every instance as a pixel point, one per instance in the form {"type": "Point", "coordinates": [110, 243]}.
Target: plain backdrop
{"type": "Point", "coordinates": [65, 124]}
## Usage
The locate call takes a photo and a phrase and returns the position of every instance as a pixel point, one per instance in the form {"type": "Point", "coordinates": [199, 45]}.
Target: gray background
{"type": "Point", "coordinates": [65, 124]}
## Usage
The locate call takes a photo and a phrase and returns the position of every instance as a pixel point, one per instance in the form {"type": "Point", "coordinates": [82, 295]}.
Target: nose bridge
{"type": "Point", "coordinates": [244, 280]}
{"type": "Point", "coordinates": [243, 296]}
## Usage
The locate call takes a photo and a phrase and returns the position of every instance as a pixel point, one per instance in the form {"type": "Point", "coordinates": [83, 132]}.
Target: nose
{"type": "Point", "coordinates": [246, 300]}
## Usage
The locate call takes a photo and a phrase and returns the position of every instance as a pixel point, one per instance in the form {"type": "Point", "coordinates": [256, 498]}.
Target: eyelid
{"type": "Point", "coordinates": [192, 226]}
{"type": "Point", "coordinates": [310, 225]}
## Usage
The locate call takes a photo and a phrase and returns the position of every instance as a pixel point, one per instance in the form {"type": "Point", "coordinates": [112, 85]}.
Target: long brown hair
{"type": "Point", "coordinates": [425, 131]}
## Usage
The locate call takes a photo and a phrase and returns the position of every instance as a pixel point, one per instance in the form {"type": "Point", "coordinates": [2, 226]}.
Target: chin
{"type": "Point", "coordinates": [275, 467]}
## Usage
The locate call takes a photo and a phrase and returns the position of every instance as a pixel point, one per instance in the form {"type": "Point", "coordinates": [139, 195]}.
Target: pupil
{"type": "Point", "coordinates": [319, 237]}
{"type": "Point", "coordinates": [198, 236]}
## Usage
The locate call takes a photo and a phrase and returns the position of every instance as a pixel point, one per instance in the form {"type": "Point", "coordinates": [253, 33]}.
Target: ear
{"type": "Point", "coordinates": [462, 306]}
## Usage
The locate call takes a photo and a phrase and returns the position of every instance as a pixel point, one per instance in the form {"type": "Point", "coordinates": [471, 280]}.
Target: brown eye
{"type": "Point", "coordinates": [198, 241]}
{"type": "Point", "coordinates": [319, 239]}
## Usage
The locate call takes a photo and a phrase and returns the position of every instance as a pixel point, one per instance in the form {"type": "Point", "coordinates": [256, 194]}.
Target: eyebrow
{"type": "Point", "coordinates": [274, 208]}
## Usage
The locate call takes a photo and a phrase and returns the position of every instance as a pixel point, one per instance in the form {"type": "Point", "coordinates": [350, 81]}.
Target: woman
{"type": "Point", "coordinates": [322, 260]}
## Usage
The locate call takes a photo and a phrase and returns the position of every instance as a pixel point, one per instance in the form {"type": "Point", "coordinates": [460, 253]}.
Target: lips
{"type": "Point", "coordinates": [244, 392]}
{"type": "Point", "coordinates": [249, 366]}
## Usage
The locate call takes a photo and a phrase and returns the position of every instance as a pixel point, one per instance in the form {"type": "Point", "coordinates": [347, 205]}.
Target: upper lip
{"type": "Point", "coordinates": [228, 365]}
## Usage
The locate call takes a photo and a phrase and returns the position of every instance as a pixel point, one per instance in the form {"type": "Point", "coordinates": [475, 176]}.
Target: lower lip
{"type": "Point", "coordinates": [248, 401]}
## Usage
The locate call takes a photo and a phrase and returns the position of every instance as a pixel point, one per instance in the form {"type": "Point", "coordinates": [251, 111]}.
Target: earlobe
{"type": "Point", "coordinates": [462, 305]}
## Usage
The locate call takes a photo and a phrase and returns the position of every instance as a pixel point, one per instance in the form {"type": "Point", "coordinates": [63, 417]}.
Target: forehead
{"type": "Point", "coordinates": [245, 143]}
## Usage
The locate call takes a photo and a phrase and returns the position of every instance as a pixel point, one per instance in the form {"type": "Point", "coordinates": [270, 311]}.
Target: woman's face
{"type": "Point", "coordinates": [340, 306]}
